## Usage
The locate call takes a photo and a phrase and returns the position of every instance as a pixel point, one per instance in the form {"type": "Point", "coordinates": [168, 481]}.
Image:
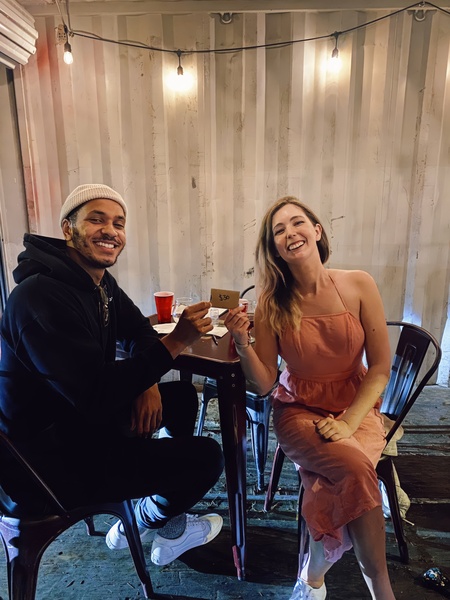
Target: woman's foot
{"type": "Point", "coordinates": [303, 591]}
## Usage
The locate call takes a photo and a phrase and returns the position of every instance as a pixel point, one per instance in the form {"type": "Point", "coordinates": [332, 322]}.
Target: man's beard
{"type": "Point", "coordinates": [83, 248]}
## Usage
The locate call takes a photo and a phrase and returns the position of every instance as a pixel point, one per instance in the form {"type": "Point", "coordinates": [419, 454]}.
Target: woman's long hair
{"type": "Point", "coordinates": [279, 300]}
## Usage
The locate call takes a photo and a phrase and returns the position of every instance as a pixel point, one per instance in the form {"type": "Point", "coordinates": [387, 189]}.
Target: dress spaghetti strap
{"type": "Point", "coordinates": [338, 292]}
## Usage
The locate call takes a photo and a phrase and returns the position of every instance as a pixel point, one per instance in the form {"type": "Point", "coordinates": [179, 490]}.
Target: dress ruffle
{"type": "Point", "coordinates": [330, 394]}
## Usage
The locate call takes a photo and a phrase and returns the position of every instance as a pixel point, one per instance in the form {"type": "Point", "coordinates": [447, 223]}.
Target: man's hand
{"type": "Point", "coordinates": [192, 324]}
{"type": "Point", "coordinates": [333, 429]}
{"type": "Point", "coordinates": [146, 414]}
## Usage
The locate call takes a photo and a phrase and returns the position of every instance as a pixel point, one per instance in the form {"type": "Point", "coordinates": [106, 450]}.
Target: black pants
{"type": "Point", "coordinates": [104, 466]}
{"type": "Point", "coordinates": [169, 475]}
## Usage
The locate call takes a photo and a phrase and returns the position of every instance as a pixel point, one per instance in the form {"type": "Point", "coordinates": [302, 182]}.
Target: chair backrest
{"type": "Point", "coordinates": [410, 353]}
{"type": "Point", "coordinates": [247, 289]}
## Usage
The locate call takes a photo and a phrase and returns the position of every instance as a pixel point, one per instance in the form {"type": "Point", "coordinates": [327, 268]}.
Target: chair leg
{"type": "Point", "coordinates": [24, 547]}
{"type": "Point", "coordinates": [277, 466]}
{"type": "Point", "coordinates": [258, 415]}
{"type": "Point", "coordinates": [209, 391]}
{"type": "Point", "coordinates": [134, 543]}
{"type": "Point", "coordinates": [385, 472]}
{"type": "Point", "coordinates": [303, 533]}
{"type": "Point", "coordinates": [90, 526]}
{"type": "Point", "coordinates": [26, 541]}
{"type": "Point", "coordinates": [259, 450]}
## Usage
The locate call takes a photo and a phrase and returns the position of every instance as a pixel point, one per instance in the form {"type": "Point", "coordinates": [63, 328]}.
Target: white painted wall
{"type": "Point", "coordinates": [368, 148]}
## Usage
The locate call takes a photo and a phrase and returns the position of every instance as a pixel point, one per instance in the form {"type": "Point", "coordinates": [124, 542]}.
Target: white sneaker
{"type": "Point", "coordinates": [199, 530]}
{"type": "Point", "coordinates": [116, 538]}
{"type": "Point", "coordinates": [303, 591]}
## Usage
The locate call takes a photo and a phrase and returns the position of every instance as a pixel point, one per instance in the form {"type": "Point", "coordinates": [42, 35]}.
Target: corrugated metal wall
{"type": "Point", "coordinates": [367, 148]}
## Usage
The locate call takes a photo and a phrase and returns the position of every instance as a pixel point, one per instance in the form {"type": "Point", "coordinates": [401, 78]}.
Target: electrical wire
{"type": "Point", "coordinates": [282, 44]}
{"type": "Point", "coordinates": [60, 12]}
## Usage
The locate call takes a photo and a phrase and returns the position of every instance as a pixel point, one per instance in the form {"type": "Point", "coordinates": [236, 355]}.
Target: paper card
{"type": "Point", "coordinates": [224, 298]}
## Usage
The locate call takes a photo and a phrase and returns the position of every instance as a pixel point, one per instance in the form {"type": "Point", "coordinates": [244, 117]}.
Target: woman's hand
{"type": "Point", "coordinates": [238, 324]}
{"type": "Point", "coordinates": [333, 429]}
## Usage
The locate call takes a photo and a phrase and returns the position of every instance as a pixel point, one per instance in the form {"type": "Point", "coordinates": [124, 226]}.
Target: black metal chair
{"type": "Point", "coordinates": [258, 409]}
{"type": "Point", "coordinates": [402, 391]}
{"type": "Point", "coordinates": [26, 538]}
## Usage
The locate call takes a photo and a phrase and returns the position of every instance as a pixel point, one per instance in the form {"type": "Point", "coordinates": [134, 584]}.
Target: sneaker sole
{"type": "Point", "coordinates": [123, 543]}
{"type": "Point", "coordinates": [214, 532]}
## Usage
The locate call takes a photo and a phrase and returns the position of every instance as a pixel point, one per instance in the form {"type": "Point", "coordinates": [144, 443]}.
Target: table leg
{"type": "Point", "coordinates": [231, 396]}
{"type": "Point", "coordinates": [185, 375]}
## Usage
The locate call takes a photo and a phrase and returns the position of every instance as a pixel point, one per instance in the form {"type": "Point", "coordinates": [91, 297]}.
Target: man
{"type": "Point", "coordinates": [85, 419]}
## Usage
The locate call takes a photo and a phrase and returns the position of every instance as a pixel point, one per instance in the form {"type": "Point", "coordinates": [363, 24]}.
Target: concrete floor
{"type": "Point", "coordinates": [78, 567]}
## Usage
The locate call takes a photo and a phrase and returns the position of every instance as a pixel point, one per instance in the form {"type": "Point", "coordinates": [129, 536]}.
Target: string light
{"type": "Point", "coordinates": [184, 81]}
{"type": "Point", "coordinates": [68, 56]}
{"type": "Point", "coordinates": [335, 62]}
{"type": "Point", "coordinates": [180, 81]}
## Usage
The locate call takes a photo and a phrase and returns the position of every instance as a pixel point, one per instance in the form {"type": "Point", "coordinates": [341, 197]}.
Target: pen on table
{"type": "Point", "coordinates": [215, 340]}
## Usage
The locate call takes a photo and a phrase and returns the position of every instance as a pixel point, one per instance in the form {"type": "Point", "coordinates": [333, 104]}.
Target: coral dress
{"type": "Point", "coordinates": [323, 373]}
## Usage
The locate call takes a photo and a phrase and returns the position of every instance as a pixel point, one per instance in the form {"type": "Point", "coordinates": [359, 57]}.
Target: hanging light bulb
{"type": "Point", "coordinates": [181, 81]}
{"type": "Point", "coordinates": [68, 56]}
{"type": "Point", "coordinates": [335, 62]}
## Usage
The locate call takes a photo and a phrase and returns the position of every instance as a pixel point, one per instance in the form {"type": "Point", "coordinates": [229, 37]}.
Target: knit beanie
{"type": "Point", "coordinates": [89, 191]}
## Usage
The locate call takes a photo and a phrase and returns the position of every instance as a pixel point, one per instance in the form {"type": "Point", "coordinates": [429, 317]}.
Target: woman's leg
{"type": "Point", "coordinates": [340, 485]}
{"type": "Point", "coordinates": [316, 566]}
{"type": "Point", "coordinates": [367, 533]}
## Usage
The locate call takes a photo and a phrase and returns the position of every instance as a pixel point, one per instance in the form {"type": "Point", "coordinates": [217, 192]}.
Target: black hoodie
{"type": "Point", "coordinates": [58, 367]}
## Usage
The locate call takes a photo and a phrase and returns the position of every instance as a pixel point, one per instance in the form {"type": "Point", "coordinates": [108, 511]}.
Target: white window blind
{"type": "Point", "coordinates": [17, 34]}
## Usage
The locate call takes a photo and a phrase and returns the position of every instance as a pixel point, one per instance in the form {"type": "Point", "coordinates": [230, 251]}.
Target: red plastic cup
{"type": "Point", "coordinates": [164, 302]}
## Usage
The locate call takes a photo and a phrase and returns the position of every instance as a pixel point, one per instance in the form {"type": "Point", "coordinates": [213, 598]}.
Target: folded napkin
{"type": "Point", "coordinates": [218, 331]}
{"type": "Point", "coordinates": [221, 311]}
{"type": "Point", "coordinates": [164, 328]}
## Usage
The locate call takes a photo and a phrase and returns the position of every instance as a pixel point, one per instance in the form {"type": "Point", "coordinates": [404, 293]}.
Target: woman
{"type": "Point", "coordinates": [326, 415]}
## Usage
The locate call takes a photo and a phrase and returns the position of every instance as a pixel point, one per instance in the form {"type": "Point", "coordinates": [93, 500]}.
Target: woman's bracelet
{"type": "Point", "coordinates": [242, 345]}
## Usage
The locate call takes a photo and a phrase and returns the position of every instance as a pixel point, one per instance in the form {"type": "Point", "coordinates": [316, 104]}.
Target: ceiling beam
{"type": "Point", "coordinates": [139, 7]}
